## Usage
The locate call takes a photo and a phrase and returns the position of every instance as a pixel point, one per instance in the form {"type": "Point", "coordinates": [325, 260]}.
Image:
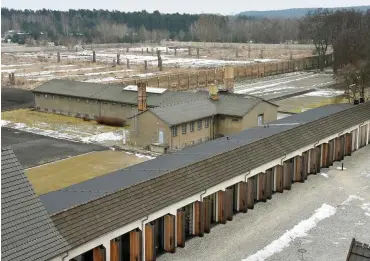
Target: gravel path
{"type": "Point", "coordinates": [347, 192]}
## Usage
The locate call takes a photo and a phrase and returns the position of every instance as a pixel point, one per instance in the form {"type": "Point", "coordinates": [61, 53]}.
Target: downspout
{"type": "Point", "coordinates": [143, 232]}
{"type": "Point", "coordinates": [245, 176]}
{"type": "Point", "coordinates": [64, 257]}
{"type": "Point", "coordinates": [201, 195]}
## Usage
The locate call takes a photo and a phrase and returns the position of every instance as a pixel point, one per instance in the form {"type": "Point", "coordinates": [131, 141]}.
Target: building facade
{"type": "Point", "coordinates": [154, 207]}
{"type": "Point", "coordinates": [178, 126]}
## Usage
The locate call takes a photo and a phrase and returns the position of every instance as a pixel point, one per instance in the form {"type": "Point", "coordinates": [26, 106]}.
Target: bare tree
{"type": "Point", "coordinates": [317, 27]}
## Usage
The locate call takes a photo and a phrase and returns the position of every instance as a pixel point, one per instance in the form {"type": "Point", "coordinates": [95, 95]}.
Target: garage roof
{"type": "Point", "coordinates": [27, 232]}
{"type": "Point", "coordinates": [98, 206]}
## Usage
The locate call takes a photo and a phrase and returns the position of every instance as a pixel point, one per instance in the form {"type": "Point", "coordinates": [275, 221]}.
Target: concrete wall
{"type": "Point", "coordinates": [191, 138]}
{"type": "Point", "coordinates": [144, 130]}
{"type": "Point", "coordinates": [269, 114]}
{"type": "Point", "coordinates": [228, 124]}
{"type": "Point", "coordinates": [79, 107]}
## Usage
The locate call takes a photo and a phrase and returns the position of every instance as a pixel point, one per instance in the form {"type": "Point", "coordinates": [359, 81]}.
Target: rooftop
{"type": "Point", "coordinates": [27, 232]}
{"type": "Point", "coordinates": [88, 190]}
{"type": "Point", "coordinates": [148, 187]}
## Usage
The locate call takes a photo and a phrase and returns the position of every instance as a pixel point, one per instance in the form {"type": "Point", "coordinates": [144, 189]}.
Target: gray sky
{"type": "Point", "coordinates": [188, 6]}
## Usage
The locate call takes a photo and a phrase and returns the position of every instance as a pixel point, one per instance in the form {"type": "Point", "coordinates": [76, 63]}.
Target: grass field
{"type": "Point", "coordinates": [63, 173]}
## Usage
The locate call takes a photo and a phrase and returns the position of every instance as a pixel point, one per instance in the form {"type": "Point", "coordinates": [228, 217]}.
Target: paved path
{"type": "Point", "coordinates": [285, 85]}
{"type": "Point", "coordinates": [346, 193]}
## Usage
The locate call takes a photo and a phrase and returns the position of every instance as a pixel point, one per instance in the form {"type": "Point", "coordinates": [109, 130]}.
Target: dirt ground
{"type": "Point", "coordinates": [32, 68]}
{"type": "Point", "coordinates": [63, 173]}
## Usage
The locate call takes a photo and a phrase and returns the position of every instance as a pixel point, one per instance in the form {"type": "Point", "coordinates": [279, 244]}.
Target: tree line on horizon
{"type": "Point", "coordinates": [103, 26]}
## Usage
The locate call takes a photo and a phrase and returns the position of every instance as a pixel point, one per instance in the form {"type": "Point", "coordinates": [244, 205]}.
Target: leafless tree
{"type": "Point", "coordinates": [317, 27]}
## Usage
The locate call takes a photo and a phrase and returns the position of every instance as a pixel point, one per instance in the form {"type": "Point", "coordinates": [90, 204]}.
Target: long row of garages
{"type": "Point", "coordinates": [169, 231]}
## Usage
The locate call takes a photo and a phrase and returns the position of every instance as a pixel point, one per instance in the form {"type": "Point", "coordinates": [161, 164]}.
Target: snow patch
{"type": "Point", "coordinates": [366, 207]}
{"type": "Point", "coordinates": [325, 175]}
{"type": "Point", "coordinates": [324, 93]}
{"type": "Point", "coordinates": [102, 137]}
{"type": "Point", "coordinates": [351, 198]}
{"type": "Point", "coordinates": [299, 230]}
{"type": "Point", "coordinates": [99, 80]}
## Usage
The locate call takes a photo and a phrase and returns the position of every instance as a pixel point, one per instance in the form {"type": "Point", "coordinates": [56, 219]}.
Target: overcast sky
{"type": "Point", "coordinates": [187, 6]}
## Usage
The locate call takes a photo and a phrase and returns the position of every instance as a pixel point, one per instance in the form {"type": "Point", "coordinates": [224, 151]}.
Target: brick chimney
{"type": "Point", "coordinates": [141, 96]}
{"type": "Point", "coordinates": [229, 78]}
{"type": "Point", "coordinates": [213, 92]}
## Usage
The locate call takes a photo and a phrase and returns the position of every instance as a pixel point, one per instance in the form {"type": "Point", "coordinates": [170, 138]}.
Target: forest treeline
{"type": "Point", "coordinates": [102, 26]}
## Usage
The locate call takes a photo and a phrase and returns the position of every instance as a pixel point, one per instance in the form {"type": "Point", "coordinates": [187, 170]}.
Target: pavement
{"type": "Point", "coordinates": [285, 85]}
{"type": "Point", "coordinates": [33, 149]}
{"type": "Point", "coordinates": [292, 225]}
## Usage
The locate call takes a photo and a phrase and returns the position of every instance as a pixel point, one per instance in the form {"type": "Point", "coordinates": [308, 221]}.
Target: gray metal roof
{"type": "Point", "coordinates": [358, 251]}
{"type": "Point", "coordinates": [133, 193]}
{"type": "Point", "coordinates": [27, 232]}
{"type": "Point", "coordinates": [113, 93]}
{"type": "Point", "coordinates": [189, 103]}
{"type": "Point", "coordinates": [83, 192]}
{"type": "Point", "coordinates": [178, 113]}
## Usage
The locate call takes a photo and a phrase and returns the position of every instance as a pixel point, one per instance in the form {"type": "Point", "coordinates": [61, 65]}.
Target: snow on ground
{"type": "Point", "coordinates": [108, 72]}
{"type": "Point", "coordinates": [299, 230]}
{"type": "Point", "coordinates": [169, 60]}
{"type": "Point", "coordinates": [59, 66]}
{"type": "Point", "coordinates": [66, 133]}
{"type": "Point", "coordinates": [16, 65]}
{"type": "Point", "coordinates": [328, 93]}
{"type": "Point", "coordinates": [102, 137]}
{"type": "Point", "coordinates": [324, 175]}
{"type": "Point", "coordinates": [58, 71]}
{"type": "Point", "coordinates": [101, 80]}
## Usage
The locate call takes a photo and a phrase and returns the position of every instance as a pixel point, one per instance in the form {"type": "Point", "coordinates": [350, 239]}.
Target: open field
{"type": "Point", "coordinates": [63, 173]}
{"type": "Point", "coordinates": [13, 98]}
{"type": "Point", "coordinates": [316, 220]}
{"type": "Point", "coordinates": [39, 64]}
{"type": "Point", "coordinates": [32, 149]}
{"type": "Point", "coordinates": [61, 127]}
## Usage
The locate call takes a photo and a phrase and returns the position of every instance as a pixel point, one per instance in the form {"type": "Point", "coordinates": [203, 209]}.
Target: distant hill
{"type": "Point", "coordinates": [294, 12]}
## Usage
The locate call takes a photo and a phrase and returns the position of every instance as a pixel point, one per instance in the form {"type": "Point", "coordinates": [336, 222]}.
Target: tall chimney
{"type": "Point", "coordinates": [229, 78]}
{"type": "Point", "coordinates": [141, 96]}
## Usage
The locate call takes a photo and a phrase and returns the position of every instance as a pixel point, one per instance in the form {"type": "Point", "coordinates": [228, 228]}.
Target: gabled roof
{"type": "Point", "coordinates": [112, 93]}
{"type": "Point", "coordinates": [358, 251]}
{"type": "Point", "coordinates": [152, 185]}
{"type": "Point", "coordinates": [231, 105]}
{"type": "Point", "coordinates": [27, 232]}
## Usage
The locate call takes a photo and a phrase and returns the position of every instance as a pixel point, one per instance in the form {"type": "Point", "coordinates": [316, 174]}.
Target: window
{"type": "Point", "coordinates": [192, 126]}
{"type": "Point", "coordinates": [54, 111]}
{"type": "Point", "coordinates": [123, 105]}
{"type": "Point", "coordinates": [87, 101]}
{"type": "Point", "coordinates": [69, 98]}
{"type": "Point", "coordinates": [46, 95]}
{"type": "Point", "coordinates": [235, 120]}
{"type": "Point", "coordinates": [206, 124]}
{"type": "Point", "coordinates": [113, 103]}
{"type": "Point", "coordinates": [184, 127]}
{"type": "Point", "coordinates": [37, 108]}
{"type": "Point", "coordinates": [174, 131]}
{"type": "Point", "coordinates": [200, 124]}
{"type": "Point", "coordinates": [105, 103]}
{"type": "Point", "coordinates": [53, 96]}
{"type": "Point", "coordinates": [222, 118]}
{"type": "Point", "coordinates": [260, 120]}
